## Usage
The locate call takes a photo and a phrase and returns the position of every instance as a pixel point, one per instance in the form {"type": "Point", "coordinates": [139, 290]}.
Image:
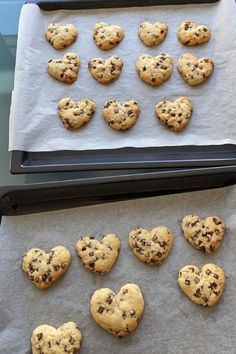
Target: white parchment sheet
{"type": "Point", "coordinates": [34, 121]}
{"type": "Point", "coordinates": [171, 323]}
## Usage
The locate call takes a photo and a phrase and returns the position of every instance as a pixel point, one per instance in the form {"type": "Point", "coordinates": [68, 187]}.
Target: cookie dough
{"type": "Point", "coordinates": [60, 36]}
{"type": "Point", "coordinates": [203, 234]}
{"type": "Point", "coordinates": [191, 34]}
{"type": "Point", "coordinates": [98, 256]}
{"type": "Point", "coordinates": [204, 287]}
{"type": "Point", "coordinates": [65, 69]}
{"type": "Point", "coordinates": [105, 71]}
{"type": "Point", "coordinates": [194, 70]}
{"type": "Point", "coordinates": [121, 116]}
{"type": "Point", "coordinates": [151, 247]}
{"type": "Point", "coordinates": [152, 34]}
{"type": "Point", "coordinates": [174, 115]}
{"type": "Point", "coordinates": [118, 314]}
{"type": "Point", "coordinates": [107, 36]}
{"type": "Point", "coordinates": [48, 340]}
{"type": "Point", "coordinates": [154, 70]}
{"type": "Point", "coordinates": [45, 268]}
{"type": "Point", "coordinates": [75, 114]}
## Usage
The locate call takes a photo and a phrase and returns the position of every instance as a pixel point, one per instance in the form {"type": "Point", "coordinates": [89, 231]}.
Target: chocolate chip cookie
{"type": "Point", "coordinates": [118, 314]}
{"type": "Point", "coordinates": [175, 115]}
{"type": "Point", "coordinates": [121, 116]}
{"type": "Point", "coordinates": [204, 287]}
{"type": "Point", "coordinates": [48, 340]}
{"type": "Point", "coordinates": [151, 34]}
{"type": "Point", "coordinates": [98, 256]}
{"type": "Point", "coordinates": [194, 70]}
{"type": "Point", "coordinates": [107, 70]}
{"type": "Point", "coordinates": [151, 247]}
{"type": "Point", "coordinates": [107, 36]}
{"type": "Point", "coordinates": [203, 234]}
{"type": "Point", "coordinates": [65, 69]}
{"type": "Point", "coordinates": [61, 37]}
{"type": "Point", "coordinates": [191, 34]}
{"type": "Point", "coordinates": [42, 268]}
{"type": "Point", "coordinates": [75, 114]}
{"type": "Point", "coordinates": [154, 70]}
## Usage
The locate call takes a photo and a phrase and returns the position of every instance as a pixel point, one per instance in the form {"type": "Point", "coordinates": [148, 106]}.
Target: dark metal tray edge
{"type": "Point", "coordinates": [24, 199]}
{"type": "Point", "coordinates": [163, 157]}
{"type": "Point", "coordinates": [95, 4]}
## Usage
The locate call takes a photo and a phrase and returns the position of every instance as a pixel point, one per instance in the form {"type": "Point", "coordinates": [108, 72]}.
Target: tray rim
{"type": "Point", "coordinates": [95, 190]}
{"type": "Point", "coordinates": [52, 5]}
{"type": "Point", "coordinates": [176, 156]}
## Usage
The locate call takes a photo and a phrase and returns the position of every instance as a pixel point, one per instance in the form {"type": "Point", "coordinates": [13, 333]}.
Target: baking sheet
{"type": "Point", "coordinates": [34, 121]}
{"type": "Point", "coordinates": [171, 323]}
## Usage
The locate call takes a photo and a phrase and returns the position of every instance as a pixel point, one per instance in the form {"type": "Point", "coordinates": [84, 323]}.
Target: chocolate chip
{"type": "Point", "coordinates": [198, 293]}
{"type": "Point", "coordinates": [110, 299]}
{"type": "Point", "coordinates": [213, 286]}
{"type": "Point", "coordinates": [40, 336]}
{"type": "Point", "coordinates": [216, 221]}
{"type": "Point", "coordinates": [101, 309]}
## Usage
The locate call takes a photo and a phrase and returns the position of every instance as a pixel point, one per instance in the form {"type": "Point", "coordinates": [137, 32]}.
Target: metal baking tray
{"type": "Point", "coordinates": [153, 157]}
{"type": "Point", "coordinates": [183, 156]}
{"type": "Point", "coordinates": [96, 4]}
{"type": "Point", "coordinates": [30, 198]}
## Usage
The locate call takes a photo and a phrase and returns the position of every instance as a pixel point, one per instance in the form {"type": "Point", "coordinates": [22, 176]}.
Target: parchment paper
{"type": "Point", "coordinates": [171, 323]}
{"type": "Point", "coordinates": [34, 121]}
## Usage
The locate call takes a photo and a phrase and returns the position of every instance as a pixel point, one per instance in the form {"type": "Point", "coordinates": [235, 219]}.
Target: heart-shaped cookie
{"type": "Point", "coordinates": [61, 37]}
{"type": "Point", "coordinates": [190, 33]}
{"type": "Point", "coordinates": [75, 114]}
{"type": "Point", "coordinates": [154, 70]}
{"type": "Point", "coordinates": [203, 234]}
{"type": "Point", "coordinates": [194, 70]}
{"type": "Point", "coordinates": [65, 69]}
{"type": "Point", "coordinates": [98, 256]}
{"type": "Point", "coordinates": [151, 247]}
{"type": "Point", "coordinates": [45, 268]}
{"type": "Point", "coordinates": [152, 34]}
{"type": "Point", "coordinates": [121, 116]}
{"type": "Point", "coordinates": [174, 115]}
{"type": "Point", "coordinates": [107, 36]}
{"type": "Point", "coordinates": [118, 314]}
{"type": "Point", "coordinates": [105, 71]}
{"type": "Point", "coordinates": [203, 287]}
{"type": "Point", "coordinates": [48, 340]}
